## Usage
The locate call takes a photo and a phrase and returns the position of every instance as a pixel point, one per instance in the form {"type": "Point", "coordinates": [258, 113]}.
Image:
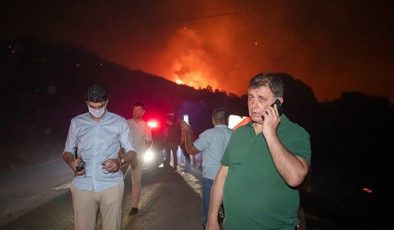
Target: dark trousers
{"type": "Point", "coordinates": [171, 148]}
{"type": "Point", "coordinates": [186, 155]}
{"type": "Point", "coordinates": [206, 198]}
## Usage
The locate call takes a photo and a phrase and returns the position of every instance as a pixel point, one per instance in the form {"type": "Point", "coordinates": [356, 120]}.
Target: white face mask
{"type": "Point", "coordinates": [97, 113]}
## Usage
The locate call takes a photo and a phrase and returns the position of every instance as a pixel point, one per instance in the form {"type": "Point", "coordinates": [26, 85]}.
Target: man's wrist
{"type": "Point", "coordinates": [121, 161]}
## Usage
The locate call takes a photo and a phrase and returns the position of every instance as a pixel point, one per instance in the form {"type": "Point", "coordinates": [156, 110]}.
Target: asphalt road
{"type": "Point", "coordinates": [38, 198]}
{"type": "Point", "coordinates": [28, 188]}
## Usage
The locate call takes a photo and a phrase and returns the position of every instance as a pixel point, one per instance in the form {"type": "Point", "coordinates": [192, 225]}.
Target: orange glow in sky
{"type": "Point", "coordinates": [185, 61]}
{"type": "Point", "coordinates": [331, 46]}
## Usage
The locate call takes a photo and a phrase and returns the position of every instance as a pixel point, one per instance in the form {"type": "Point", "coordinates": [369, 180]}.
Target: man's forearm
{"type": "Point", "coordinates": [68, 158]}
{"type": "Point", "coordinates": [129, 156]}
{"type": "Point", "coordinates": [190, 149]}
{"type": "Point", "coordinates": [293, 169]}
{"type": "Point", "coordinates": [188, 142]}
{"type": "Point", "coordinates": [217, 193]}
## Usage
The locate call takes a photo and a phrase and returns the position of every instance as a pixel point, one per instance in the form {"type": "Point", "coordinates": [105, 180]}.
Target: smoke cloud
{"type": "Point", "coordinates": [331, 46]}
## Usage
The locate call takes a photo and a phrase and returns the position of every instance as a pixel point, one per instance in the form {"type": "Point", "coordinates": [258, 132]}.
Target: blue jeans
{"type": "Point", "coordinates": [206, 197]}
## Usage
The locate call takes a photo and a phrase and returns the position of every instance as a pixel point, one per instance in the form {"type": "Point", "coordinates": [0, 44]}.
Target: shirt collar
{"type": "Point", "coordinates": [220, 125]}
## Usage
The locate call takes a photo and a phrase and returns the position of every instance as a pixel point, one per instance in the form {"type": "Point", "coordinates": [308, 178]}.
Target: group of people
{"type": "Point", "coordinates": [254, 172]}
{"type": "Point", "coordinates": [175, 136]}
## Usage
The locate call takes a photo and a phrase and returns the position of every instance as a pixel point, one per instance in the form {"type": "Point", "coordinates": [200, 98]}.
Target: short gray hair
{"type": "Point", "coordinates": [270, 80]}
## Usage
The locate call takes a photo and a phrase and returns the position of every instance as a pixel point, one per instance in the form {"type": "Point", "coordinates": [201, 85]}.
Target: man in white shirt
{"type": "Point", "coordinates": [142, 140]}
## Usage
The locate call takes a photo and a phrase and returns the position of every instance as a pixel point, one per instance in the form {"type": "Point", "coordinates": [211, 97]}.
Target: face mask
{"type": "Point", "coordinates": [97, 113]}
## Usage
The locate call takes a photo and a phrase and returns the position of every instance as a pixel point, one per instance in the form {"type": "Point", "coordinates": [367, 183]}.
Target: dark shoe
{"type": "Point", "coordinates": [133, 211]}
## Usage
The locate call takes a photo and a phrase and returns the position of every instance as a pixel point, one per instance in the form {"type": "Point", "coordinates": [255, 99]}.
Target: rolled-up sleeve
{"type": "Point", "coordinates": [125, 138]}
{"type": "Point", "coordinates": [203, 141]}
{"type": "Point", "coordinates": [71, 142]}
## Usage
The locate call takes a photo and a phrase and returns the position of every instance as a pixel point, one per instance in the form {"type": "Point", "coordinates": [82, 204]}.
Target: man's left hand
{"type": "Point", "coordinates": [111, 165]}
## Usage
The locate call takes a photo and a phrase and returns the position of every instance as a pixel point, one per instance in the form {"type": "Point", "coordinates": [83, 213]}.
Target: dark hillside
{"type": "Point", "coordinates": [43, 85]}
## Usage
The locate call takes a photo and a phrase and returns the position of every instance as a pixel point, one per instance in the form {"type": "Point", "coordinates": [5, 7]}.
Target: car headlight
{"type": "Point", "coordinates": [148, 156]}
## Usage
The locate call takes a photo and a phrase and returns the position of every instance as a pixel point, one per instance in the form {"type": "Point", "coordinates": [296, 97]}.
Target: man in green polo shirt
{"type": "Point", "coordinates": [264, 163]}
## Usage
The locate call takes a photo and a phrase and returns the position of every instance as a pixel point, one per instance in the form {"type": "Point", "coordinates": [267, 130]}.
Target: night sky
{"type": "Point", "coordinates": [332, 46]}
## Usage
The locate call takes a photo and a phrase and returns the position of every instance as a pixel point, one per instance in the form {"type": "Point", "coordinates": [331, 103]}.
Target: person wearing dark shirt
{"type": "Point", "coordinates": [172, 140]}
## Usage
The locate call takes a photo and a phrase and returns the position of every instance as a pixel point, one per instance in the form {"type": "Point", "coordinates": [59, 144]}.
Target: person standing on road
{"type": "Point", "coordinates": [172, 141]}
{"type": "Point", "coordinates": [98, 183]}
{"type": "Point", "coordinates": [264, 163]}
{"type": "Point", "coordinates": [212, 143]}
{"type": "Point", "coordinates": [142, 139]}
{"type": "Point", "coordinates": [187, 167]}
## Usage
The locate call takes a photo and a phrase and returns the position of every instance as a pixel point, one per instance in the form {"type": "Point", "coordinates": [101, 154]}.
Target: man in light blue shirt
{"type": "Point", "coordinates": [97, 137]}
{"type": "Point", "coordinates": [212, 143]}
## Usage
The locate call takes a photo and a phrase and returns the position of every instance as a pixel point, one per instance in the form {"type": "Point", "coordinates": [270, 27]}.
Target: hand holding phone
{"type": "Point", "coordinates": [80, 167]}
{"type": "Point", "coordinates": [279, 107]}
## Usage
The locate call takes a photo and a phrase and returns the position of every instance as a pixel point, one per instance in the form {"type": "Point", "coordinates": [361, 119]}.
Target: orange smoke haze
{"type": "Point", "coordinates": [189, 63]}
{"type": "Point", "coordinates": [187, 60]}
{"type": "Point", "coordinates": [224, 52]}
{"type": "Point", "coordinates": [203, 54]}
{"type": "Point", "coordinates": [331, 46]}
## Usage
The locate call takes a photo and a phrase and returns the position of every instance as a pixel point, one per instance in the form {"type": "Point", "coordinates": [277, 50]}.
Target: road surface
{"type": "Point", "coordinates": [38, 198]}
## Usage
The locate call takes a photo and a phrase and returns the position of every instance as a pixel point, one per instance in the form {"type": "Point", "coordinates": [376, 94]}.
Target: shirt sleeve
{"type": "Point", "coordinates": [71, 142]}
{"type": "Point", "coordinates": [125, 137]}
{"type": "Point", "coordinates": [227, 152]}
{"type": "Point", "coordinates": [301, 146]}
{"type": "Point", "coordinates": [203, 141]}
{"type": "Point", "coordinates": [226, 156]}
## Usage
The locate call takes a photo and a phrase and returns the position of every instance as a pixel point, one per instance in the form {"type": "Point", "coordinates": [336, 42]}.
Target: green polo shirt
{"type": "Point", "coordinates": [255, 196]}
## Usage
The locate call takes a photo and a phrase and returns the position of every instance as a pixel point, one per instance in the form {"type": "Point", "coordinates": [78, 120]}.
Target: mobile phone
{"type": "Point", "coordinates": [80, 165]}
{"type": "Point", "coordinates": [278, 106]}
{"type": "Point", "coordinates": [186, 118]}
